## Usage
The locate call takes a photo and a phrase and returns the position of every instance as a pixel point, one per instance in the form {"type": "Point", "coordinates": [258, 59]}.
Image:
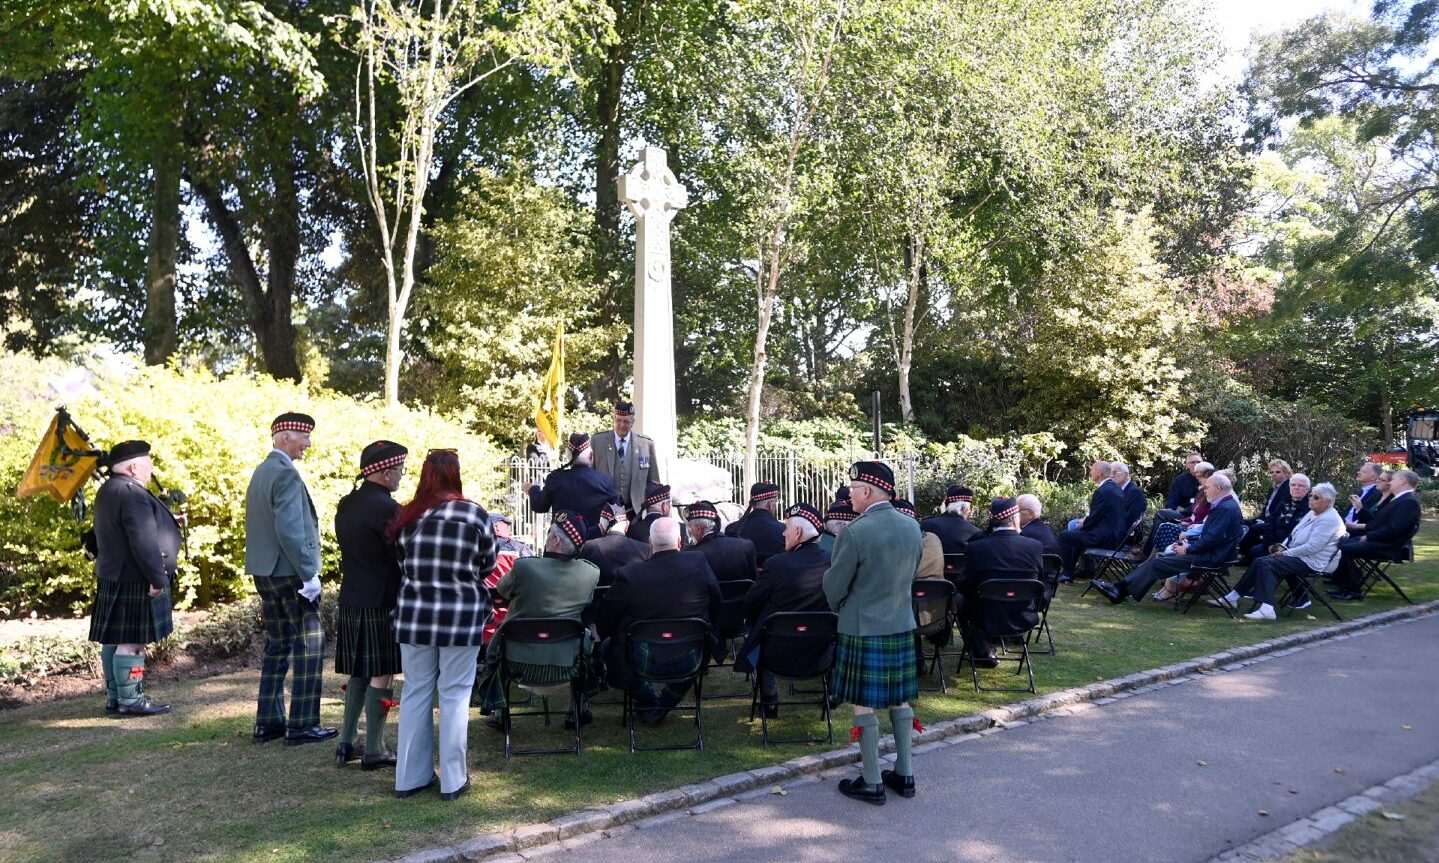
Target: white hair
{"type": "Point", "coordinates": [1030, 503]}
{"type": "Point", "coordinates": [665, 533]}
{"type": "Point", "coordinates": [559, 541]}
{"type": "Point", "coordinates": [961, 507]}
{"type": "Point", "coordinates": [1408, 477]}
{"type": "Point", "coordinates": [1117, 467]}
{"type": "Point", "coordinates": [1221, 482]}
{"type": "Point", "coordinates": [1301, 477]}
{"type": "Point", "coordinates": [1205, 466]}
{"type": "Point", "coordinates": [707, 525]}
{"type": "Point", "coordinates": [835, 525]}
{"type": "Point", "coordinates": [1324, 490]}
{"type": "Point", "coordinates": [120, 466]}
{"type": "Point", "coordinates": [772, 504]}
{"type": "Point", "coordinates": [585, 456]}
{"type": "Point", "coordinates": [807, 530]}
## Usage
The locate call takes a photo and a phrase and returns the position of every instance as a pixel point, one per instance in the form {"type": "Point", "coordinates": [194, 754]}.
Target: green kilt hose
{"type": "Point", "coordinates": [125, 613]}
{"type": "Point", "coordinates": [876, 671]}
{"type": "Point", "coordinates": [365, 645]}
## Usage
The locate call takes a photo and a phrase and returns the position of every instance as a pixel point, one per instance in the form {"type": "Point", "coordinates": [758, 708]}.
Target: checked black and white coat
{"type": "Point", "coordinates": [445, 556]}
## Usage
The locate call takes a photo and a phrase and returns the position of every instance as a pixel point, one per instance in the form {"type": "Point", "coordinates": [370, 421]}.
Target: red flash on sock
{"type": "Point", "coordinates": [137, 672]}
{"type": "Point", "coordinates": [917, 727]}
{"type": "Point", "coordinates": [389, 703]}
{"type": "Point", "coordinates": [854, 733]}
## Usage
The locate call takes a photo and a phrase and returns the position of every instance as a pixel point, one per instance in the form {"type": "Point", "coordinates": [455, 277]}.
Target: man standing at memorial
{"type": "Point", "coordinates": [577, 487]}
{"type": "Point", "coordinates": [628, 457]}
{"type": "Point", "coordinates": [282, 555]}
{"type": "Point", "coordinates": [868, 584]}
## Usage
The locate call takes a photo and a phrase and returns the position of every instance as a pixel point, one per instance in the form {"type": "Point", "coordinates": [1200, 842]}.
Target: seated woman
{"type": "Point", "coordinates": [1365, 514]}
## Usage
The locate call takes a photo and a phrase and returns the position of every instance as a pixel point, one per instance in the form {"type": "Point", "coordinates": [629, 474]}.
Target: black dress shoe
{"type": "Point", "coordinates": [143, 707]}
{"type": "Point", "coordinates": [901, 785]}
{"type": "Point", "coordinates": [410, 792]}
{"type": "Point", "coordinates": [375, 762]}
{"type": "Point", "coordinates": [266, 733]}
{"type": "Point", "coordinates": [112, 706]}
{"type": "Point", "coordinates": [451, 795]}
{"type": "Point", "coordinates": [586, 718]}
{"type": "Point", "coordinates": [858, 789]}
{"type": "Point", "coordinates": [313, 734]}
{"type": "Point", "coordinates": [769, 711]}
{"type": "Point", "coordinates": [345, 753]}
{"type": "Point", "coordinates": [1345, 595]}
{"type": "Point", "coordinates": [1065, 579]}
{"type": "Point", "coordinates": [990, 661]}
{"type": "Point", "coordinates": [1112, 592]}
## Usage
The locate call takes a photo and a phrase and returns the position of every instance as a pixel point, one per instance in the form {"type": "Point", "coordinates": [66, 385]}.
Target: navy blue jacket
{"type": "Point", "coordinates": [669, 584]}
{"type": "Point", "coordinates": [578, 488]}
{"type": "Point", "coordinates": [1105, 526]}
{"type": "Point", "coordinates": [1223, 529]}
{"type": "Point", "coordinates": [135, 533]}
{"type": "Point", "coordinates": [1181, 491]}
{"type": "Point", "coordinates": [731, 557]}
{"type": "Point", "coordinates": [1394, 524]}
{"type": "Point", "coordinates": [1135, 504]}
{"type": "Point", "coordinates": [1368, 505]}
{"type": "Point", "coordinates": [761, 528]}
{"type": "Point", "coordinates": [954, 531]}
{"type": "Point", "coordinates": [1044, 533]}
{"type": "Point", "coordinates": [612, 552]}
{"type": "Point", "coordinates": [639, 529]}
{"type": "Point", "coordinates": [370, 570]}
{"type": "Point", "coordinates": [1001, 554]}
{"type": "Point", "coordinates": [791, 581]}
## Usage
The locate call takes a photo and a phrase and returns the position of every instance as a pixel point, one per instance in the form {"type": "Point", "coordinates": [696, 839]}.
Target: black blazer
{"type": "Point", "coordinates": [954, 531]}
{"type": "Point", "coordinates": [1001, 554]}
{"type": "Point", "coordinates": [1135, 503]}
{"type": "Point", "coordinates": [612, 552]}
{"type": "Point", "coordinates": [578, 488]}
{"type": "Point", "coordinates": [1279, 499]}
{"type": "Point", "coordinates": [370, 570]}
{"type": "Point", "coordinates": [1037, 529]}
{"type": "Point", "coordinates": [669, 584]}
{"type": "Point", "coordinates": [761, 528]}
{"type": "Point", "coordinates": [1393, 526]}
{"type": "Point", "coordinates": [731, 557]}
{"type": "Point", "coordinates": [136, 536]}
{"type": "Point", "coordinates": [639, 529]}
{"type": "Point", "coordinates": [1368, 504]}
{"type": "Point", "coordinates": [1281, 516]}
{"type": "Point", "coordinates": [1181, 492]}
{"type": "Point", "coordinates": [791, 581]}
{"type": "Point", "coordinates": [1105, 526]}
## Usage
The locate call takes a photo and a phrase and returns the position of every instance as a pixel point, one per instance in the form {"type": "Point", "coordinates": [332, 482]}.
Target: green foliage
{"type": "Point", "coordinates": [24, 662]}
{"type": "Point", "coordinates": [208, 434]}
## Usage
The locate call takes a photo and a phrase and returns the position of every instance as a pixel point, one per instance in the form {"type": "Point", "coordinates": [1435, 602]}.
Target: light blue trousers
{"type": "Point", "coordinates": [451, 672]}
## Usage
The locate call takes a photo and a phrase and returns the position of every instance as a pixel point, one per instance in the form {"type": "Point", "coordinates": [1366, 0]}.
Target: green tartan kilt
{"type": "Point", "coordinates": [876, 670]}
{"type": "Point", "coordinates": [365, 645]}
{"type": "Point", "coordinates": [125, 613]}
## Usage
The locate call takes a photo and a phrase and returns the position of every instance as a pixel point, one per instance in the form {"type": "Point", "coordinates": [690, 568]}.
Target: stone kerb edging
{"type": "Point", "coordinates": [720, 790]}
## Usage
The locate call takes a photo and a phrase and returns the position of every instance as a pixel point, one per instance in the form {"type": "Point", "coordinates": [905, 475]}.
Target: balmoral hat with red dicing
{"type": "Point", "coordinates": [380, 456]}
{"type": "Point", "coordinates": [573, 525]}
{"type": "Point", "coordinates": [806, 512]}
{"type": "Point", "coordinates": [126, 450]}
{"type": "Point", "coordinates": [840, 510]}
{"type": "Point", "coordinates": [1002, 509]}
{"type": "Point", "coordinates": [957, 493]}
{"type": "Point", "coordinates": [702, 509]}
{"type": "Point", "coordinates": [762, 491]}
{"type": "Point", "coordinates": [613, 512]}
{"type": "Point", "coordinates": [578, 443]}
{"type": "Point", "coordinates": [294, 422]}
{"type": "Point", "coordinates": [875, 473]}
{"type": "Point", "coordinates": [842, 493]}
{"type": "Point", "coordinates": [625, 409]}
{"type": "Point", "coordinates": [906, 507]}
{"type": "Point", "coordinates": [656, 493]}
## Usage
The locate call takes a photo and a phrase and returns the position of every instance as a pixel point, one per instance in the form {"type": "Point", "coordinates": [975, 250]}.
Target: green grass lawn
{"type": "Point", "coordinates": [1380, 838]}
{"type": "Point", "coordinates": [191, 785]}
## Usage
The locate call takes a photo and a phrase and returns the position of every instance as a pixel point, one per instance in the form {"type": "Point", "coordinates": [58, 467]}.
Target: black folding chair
{"type": "Point", "coordinates": [1113, 564]}
{"type": "Point", "coordinates": [681, 647]}
{"type": "Point", "coordinates": [1053, 565]}
{"type": "Point", "coordinates": [1307, 584]}
{"type": "Point", "coordinates": [537, 631]}
{"type": "Point", "coordinates": [1205, 582]}
{"type": "Point", "coordinates": [933, 600]}
{"type": "Point", "coordinates": [1020, 596]}
{"type": "Point", "coordinates": [797, 645]}
{"type": "Point", "coordinates": [730, 625]}
{"type": "Point", "coordinates": [1374, 570]}
{"type": "Point", "coordinates": [954, 567]}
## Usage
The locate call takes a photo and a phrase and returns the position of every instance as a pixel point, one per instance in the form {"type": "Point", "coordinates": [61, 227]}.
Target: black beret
{"type": "Point", "coordinates": [875, 473]}
{"type": "Point", "coordinates": [579, 442]}
{"type": "Point", "coordinates": [1002, 509]}
{"type": "Point", "coordinates": [763, 491]}
{"type": "Point", "coordinates": [806, 512]}
{"type": "Point", "coordinates": [840, 510]}
{"type": "Point", "coordinates": [957, 493]}
{"type": "Point", "coordinates": [906, 507]}
{"type": "Point", "coordinates": [128, 449]}
{"type": "Point", "coordinates": [842, 493]}
{"type": "Point", "coordinates": [573, 525]}
{"type": "Point", "coordinates": [702, 509]}
{"type": "Point", "coordinates": [292, 422]}
{"type": "Point", "coordinates": [381, 455]}
{"type": "Point", "coordinates": [655, 493]}
{"type": "Point", "coordinates": [625, 409]}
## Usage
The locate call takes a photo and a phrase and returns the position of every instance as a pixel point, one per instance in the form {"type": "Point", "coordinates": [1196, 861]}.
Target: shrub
{"type": "Point", "coordinates": [208, 434]}
{"type": "Point", "coordinates": [24, 662]}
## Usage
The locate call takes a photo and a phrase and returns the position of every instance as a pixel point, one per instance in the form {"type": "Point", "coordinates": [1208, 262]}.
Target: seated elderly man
{"type": "Point", "coordinates": [1223, 529]}
{"type": "Point", "coordinates": [613, 549]}
{"type": "Point", "coordinates": [1183, 489]}
{"type": "Point", "coordinates": [657, 505]}
{"type": "Point", "coordinates": [1003, 553]}
{"type": "Point", "coordinates": [670, 584]}
{"type": "Point", "coordinates": [791, 581]}
{"type": "Point", "coordinates": [1385, 537]}
{"type": "Point", "coordinates": [836, 519]}
{"type": "Point", "coordinates": [1312, 546]}
{"type": "Point", "coordinates": [760, 524]}
{"type": "Point", "coordinates": [1280, 516]}
{"type": "Point", "coordinates": [1102, 527]}
{"type": "Point", "coordinates": [953, 526]}
{"type": "Point", "coordinates": [1033, 526]}
{"type": "Point", "coordinates": [731, 557]}
{"type": "Point", "coordinates": [931, 560]}
{"type": "Point", "coordinates": [1136, 503]}
{"type": "Point", "coordinates": [556, 585]}
{"type": "Point", "coordinates": [1363, 505]}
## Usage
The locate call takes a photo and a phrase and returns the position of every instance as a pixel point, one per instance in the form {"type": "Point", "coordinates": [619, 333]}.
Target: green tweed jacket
{"type": "Point", "coordinates": [544, 587]}
{"type": "Point", "coordinates": [282, 532]}
{"type": "Point", "coordinates": [868, 580]}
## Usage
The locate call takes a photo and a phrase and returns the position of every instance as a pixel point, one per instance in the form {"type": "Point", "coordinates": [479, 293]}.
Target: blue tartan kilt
{"type": "Point", "coordinates": [126, 613]}
{"type": "Point", "coordinates": [876, 671]}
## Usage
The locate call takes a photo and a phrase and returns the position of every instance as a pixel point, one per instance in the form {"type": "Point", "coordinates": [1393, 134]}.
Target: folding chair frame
{"type": "Point", "coordinates": [826, 680]}
{"type": "Point", "coordinates": [1117, 557]}
{"type": "Point", "coordinates": [933, 662]}
{"type": "Point", "coordinates": [1213, 582]}
{"type": "Point", "coordinates": [576, 687]}
{"type": "Point", "coordinates": [1373, 570]}
{"type": "Point", "coordinates": [1023, 661]}
{"type": "Point", "coordinates": [698, 678]}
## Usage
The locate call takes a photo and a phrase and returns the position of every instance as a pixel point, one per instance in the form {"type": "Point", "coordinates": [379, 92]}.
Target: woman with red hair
{"type": "Point", "coordinates": [446, 550]}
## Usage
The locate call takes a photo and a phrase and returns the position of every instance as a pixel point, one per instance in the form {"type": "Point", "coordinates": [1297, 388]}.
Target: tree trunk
{"type": "Point", "coordinates": [766, 297]}
{"type": "Point", "coordinates": [914, 255]}
{"type": "Point", "coordinates": [158, 323]}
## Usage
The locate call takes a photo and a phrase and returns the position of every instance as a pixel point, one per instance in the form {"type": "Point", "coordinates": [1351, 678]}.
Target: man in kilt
{"type": "Point", "coordinates": [366, 649]}
{"type": "Point", "coordinates": [282, 554]}
{"type": "Point", "coordinates": [868, 584]}
{"type": "Point", "coordinates": [136, 543]}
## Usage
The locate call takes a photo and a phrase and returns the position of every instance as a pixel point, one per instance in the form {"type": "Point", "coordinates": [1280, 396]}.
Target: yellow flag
{"type": "Point", "coordinates": [550, 405]}
{"type": "Point", "coordinates": [54, 471]}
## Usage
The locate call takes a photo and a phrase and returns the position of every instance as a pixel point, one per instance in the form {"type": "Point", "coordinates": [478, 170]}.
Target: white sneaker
{"type": "Point", "coordinates": [1300, 606]}
{"type": "Point", "coordinates": [1222, 602]}
{"type": "Point", "coordinates": [1261, 613]}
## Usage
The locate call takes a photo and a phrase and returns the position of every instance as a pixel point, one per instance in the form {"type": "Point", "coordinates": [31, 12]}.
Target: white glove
{"type": "Point", "coordinates": [311, 589]}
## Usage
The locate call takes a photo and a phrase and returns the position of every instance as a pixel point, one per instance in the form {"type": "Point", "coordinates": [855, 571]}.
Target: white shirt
{"type": "Point", "coordinates": [1354, 510]}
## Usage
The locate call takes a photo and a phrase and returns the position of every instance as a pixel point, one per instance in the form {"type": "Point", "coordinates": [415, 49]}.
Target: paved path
{"type": "Point", "coordinates": [1115, 782]}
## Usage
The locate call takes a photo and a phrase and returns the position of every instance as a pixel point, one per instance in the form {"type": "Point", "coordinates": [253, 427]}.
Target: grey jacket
{"type": "Point", "coordinates": [642, 449]}
{"type": "Point", "coordinates": [874, 563]}
{"type": "Point", "coordinates": [282, 531]}
{"type": "Point", "coordinates": [1315, 540]}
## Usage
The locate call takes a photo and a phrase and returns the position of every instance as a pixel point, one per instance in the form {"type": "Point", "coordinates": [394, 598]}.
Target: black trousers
{"type": "Point", "coordinates": [1262, 577]}
{"type": "Point", "coordinates": [1348, 576]}
{"type": "Point", "coordinates": [1138, 582]}
{"type": "Point", "coordinates": [1071, 546]}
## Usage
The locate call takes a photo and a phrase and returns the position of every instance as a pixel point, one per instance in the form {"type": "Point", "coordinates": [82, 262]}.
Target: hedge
{"type": "Point", "coordinates": [208, 434]}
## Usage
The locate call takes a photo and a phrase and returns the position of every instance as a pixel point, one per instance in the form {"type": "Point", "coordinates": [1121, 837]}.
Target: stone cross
{"type": "Point", "coordinates": [654, 196]}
